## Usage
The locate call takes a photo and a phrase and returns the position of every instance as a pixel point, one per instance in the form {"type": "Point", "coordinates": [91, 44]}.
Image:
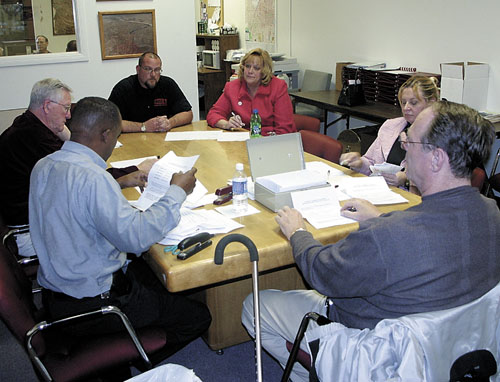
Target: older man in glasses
{"type": "Point", "coordinates": [440, 254]}
{"type": "Point", "coordinates": [148, 101]}
{"type": "Point", "coordinates": [37, 132]}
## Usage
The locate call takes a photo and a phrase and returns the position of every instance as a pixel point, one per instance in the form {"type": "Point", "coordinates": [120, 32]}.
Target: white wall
{"type": "Point", "coordinates": [421, 34]}
{"type": "Point", "coordinates": [175, 41]}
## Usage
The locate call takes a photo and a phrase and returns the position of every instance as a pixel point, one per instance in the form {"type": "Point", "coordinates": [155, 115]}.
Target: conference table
{"type": "Point", "coordinates": [223, 287]}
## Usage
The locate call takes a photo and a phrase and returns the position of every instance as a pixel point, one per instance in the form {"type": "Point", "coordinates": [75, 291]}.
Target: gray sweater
{"type": "Point", "coordinates": [440, 254]}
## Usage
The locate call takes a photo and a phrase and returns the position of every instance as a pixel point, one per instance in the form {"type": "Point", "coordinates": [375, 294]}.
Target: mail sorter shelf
{"type": "Point", "coordinates": [381, 86]}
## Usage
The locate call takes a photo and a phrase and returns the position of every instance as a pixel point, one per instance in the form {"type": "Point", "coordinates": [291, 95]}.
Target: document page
{"type": "Point", "coordinates": [388, 168]}
{"type": "Point", "coordinates": [320, 207]}
{"type": "Point", "coordinates": [372, 188]}
{"type": "Point", "coordinates": [196, 221]}
{"type": "Point", "coordinates": [160, 175]}
{"type": "Point", "coordinates": [130, 162]}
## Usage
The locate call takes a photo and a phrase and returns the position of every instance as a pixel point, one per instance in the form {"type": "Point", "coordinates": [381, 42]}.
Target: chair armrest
{"type": "Point", "coordinates": [321, 320]}
{"type": "Point", "coordinates": [110, 309]}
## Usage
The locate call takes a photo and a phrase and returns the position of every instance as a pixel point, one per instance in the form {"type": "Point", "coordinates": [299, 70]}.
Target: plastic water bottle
{"type": "Point", "coordinates": [240, 197]}
{"type": "Point", "coordinates": [255, 125]}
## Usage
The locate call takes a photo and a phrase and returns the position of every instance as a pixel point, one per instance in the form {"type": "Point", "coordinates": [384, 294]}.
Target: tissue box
{"type": "Point", "coordinates": [465, 82]}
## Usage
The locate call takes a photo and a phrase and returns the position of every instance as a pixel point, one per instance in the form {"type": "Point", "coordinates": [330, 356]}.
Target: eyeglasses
{"type": "Point", "coordinates": [66, 107]}
{"type": "Point", "coordinates": [151, 70]}
{"type": "Point", "coordinates": [404, 143]}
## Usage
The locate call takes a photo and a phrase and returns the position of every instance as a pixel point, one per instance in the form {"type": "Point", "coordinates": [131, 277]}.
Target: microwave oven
{"type": "Point", "coordinates": [211, 59]}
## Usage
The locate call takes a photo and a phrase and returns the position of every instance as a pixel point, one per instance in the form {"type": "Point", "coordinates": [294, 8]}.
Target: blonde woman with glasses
{"type": "Point", "coordinates": [414, 95]}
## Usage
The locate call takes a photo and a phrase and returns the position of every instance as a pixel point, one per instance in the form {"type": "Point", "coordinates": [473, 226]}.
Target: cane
{"type": "Point", "coordinates": [254, 257]}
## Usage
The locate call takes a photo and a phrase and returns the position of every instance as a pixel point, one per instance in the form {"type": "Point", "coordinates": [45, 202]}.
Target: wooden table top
{"type": "Point", "coordinates": [215, 166]}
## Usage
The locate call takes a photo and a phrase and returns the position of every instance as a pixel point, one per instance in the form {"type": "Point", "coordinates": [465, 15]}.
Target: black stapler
{"type": "Point", "coordinates": [224, 195]}
{"type": "Point", "coordinates": [193, 244]}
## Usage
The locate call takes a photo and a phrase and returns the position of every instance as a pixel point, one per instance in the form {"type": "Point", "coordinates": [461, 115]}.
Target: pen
{"type": "Point", "coordinates": [238, 118]}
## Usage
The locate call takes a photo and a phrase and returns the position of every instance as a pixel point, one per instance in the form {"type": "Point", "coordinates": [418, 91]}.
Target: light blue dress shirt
{"type": "Point", "coordinates": [81, 224]}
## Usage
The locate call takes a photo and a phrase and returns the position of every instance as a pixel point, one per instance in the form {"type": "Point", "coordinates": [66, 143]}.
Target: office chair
{"type": "Point", "coordinates": [61, 357]}
{"type": "Point", "coordinates": [29, 264]}
{"type": "Point", "coordinates": [321, 145]}
{"type": "Point", "coordinates": [305, 122]}
{"type": "Point", "coordinates": [313, 80]}
{"type": "Point", "coordinates": [477, 178]}
{"type": "Point", "coordinates": [494, 179]}
{"type": "Point", "coordinates": [433, 346]}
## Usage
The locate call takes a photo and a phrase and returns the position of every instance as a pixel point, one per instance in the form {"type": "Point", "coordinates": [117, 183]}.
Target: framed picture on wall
{"type": "Point", "coordinates": [126, 34]}
{"type": "Point", "coordinates": [63, 22]}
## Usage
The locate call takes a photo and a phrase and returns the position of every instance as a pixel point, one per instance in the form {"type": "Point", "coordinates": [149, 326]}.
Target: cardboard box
{"type": "Point", "coordinates": [338, 74]}
{"type": "Point", "coordinates": [465, 82]}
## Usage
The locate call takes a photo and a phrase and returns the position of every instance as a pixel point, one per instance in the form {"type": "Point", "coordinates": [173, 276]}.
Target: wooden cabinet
{"type": "Point", "coordinates": [214, 80]}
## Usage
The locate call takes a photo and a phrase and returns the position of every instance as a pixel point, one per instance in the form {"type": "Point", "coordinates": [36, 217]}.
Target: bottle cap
{"type": "Point", "coordinates": [255, 111]}
{"type": "Point", "coordinates": [239, 166]}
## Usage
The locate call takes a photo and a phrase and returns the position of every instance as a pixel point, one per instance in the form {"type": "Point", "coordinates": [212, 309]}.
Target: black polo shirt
{"type": "Point", "coordinates": [138, 104]}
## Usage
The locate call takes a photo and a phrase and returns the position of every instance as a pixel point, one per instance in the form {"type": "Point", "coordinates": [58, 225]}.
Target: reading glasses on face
{"type": "Point", "coordinates": [66, 107]}
{"type": "Point", "coordinates": [151, 70]}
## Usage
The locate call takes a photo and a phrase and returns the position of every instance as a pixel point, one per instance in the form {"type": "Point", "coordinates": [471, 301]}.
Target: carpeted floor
{"type": "Point", "coordinates": [237, 364]}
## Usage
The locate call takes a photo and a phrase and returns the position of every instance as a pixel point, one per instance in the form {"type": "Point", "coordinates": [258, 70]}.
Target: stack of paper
{"type": "Point", "coordinates": [291, 181]}
{"type": "Point", "coordinates": [193, 222]}
{"type": "Point", "coordinates": [320, 207]}
{"type": "Point", "coordinates": [387, 168]}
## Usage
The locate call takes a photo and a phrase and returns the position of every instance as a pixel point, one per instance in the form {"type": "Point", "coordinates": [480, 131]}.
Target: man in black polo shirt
{"type": "Point", "coordinates": [149, 101]}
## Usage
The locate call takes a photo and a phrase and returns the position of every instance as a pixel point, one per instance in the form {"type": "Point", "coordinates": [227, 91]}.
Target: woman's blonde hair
{"type": "Point", "coordinates": [427, 86]}
{"type": "Point", "coordinates": [267, 64]}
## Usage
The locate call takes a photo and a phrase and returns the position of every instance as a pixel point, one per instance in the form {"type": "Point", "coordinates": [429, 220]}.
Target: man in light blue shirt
{"type": "Point", "coordinates": [82, 227]}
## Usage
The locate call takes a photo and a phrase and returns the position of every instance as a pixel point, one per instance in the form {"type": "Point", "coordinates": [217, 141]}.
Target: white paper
{"type": "Point", "coordinates": [387, 168]}
{"type": "Point", "coordinates": [372, 188]}
{"type": "Point", "coordinates": [234, 136]}
{"type": "Point", "coordinates": [291, 181]}
{"type": "Point", "coordinates": [230, 212]}
{"type": "Point", "coordinates": [130, 162]}
{"type": "Point", "coordinates": [192, 200]}
{"type": "Point", "coordinates": [320, 207]}
{"type": "Point", "coordinates": [118, 144]}
{"type": "Point", "coordinates": [196, 221]}
{"type": "Point", "coordinates": [193, 135]}
{"type": "Point", "coordinates": [330, 173]}
{"type": "Point", "coordinates": [160, 175]}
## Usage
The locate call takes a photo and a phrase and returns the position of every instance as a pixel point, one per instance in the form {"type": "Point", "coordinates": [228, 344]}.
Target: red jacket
{"type": "Point", "coordinates": [272, 101]}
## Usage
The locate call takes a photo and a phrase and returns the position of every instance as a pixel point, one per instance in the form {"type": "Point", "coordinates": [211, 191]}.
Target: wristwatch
{"type": "Point", "coordinates": [143, 128]}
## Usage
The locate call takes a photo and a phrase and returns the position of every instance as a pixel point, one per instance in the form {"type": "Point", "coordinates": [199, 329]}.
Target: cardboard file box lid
{"type": "Point", "coordinates": [275, 154]}
{"type": "Point", "coordinates": [338, 73]}
{"type": "Point", "coordinates": [465, 83]}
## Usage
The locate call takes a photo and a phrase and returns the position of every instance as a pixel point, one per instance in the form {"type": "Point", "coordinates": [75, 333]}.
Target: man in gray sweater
{"type": "Point", "coordinates": [440, 254]}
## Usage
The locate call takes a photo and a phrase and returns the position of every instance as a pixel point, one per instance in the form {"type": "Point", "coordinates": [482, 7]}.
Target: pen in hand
{"type": "Point", "coordinates": [238, 118]}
